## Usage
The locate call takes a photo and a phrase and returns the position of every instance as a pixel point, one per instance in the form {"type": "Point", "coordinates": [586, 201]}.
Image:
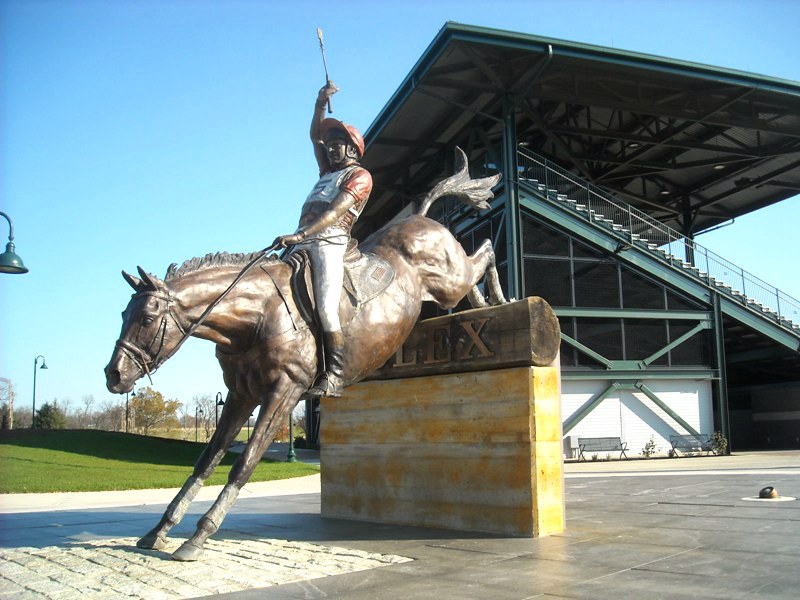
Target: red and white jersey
{"type": "Point", "coordinates": [355, 180]}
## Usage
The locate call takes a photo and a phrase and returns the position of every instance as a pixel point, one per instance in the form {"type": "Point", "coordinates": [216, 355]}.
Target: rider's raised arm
{"type": "Point", "coordinates": [316, 121]}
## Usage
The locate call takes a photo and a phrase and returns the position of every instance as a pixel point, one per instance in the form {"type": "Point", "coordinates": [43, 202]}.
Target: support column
{"type": "Point", "coordinates": [722, 382]}
{"type": "Point", "coordinates": [516, 282]}
{"type": "Point", "coordinates": [687, 224]}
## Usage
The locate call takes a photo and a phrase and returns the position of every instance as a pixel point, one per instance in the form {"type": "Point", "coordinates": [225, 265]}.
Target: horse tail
{"type": "Point", "coordinates": [472, 192]}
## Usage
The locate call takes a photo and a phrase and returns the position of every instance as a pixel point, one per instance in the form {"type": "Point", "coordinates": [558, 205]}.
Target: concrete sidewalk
{"type": "Point", "coordinates": [659, 528]}
{"type": "Point", "coordinates": [28, 503]}
{"type": "Point", "coordinates": [778, 462]}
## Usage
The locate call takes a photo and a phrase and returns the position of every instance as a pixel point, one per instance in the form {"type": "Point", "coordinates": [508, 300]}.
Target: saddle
{"type": "Point", "coordinates": [366, 275]}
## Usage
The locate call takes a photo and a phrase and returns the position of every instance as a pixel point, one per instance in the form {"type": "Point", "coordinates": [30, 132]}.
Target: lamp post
{"type": "Point", "coordinates": [44, 366]}
{"type": "Point", "coordinates": [127, 410]}
{"type": "Point", "coordinates": [197, 410]}
{"type": "Point", "coordinates": [218, 403]}
{"type": "Point", "coordinates": [291, 457]}
{"type": "Point", "coordinates": [10, 262]}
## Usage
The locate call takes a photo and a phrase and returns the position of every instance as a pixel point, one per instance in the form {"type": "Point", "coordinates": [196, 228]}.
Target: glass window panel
{"type": "Point", "coordinates": [596, 284]}
{"type": "Point", "coordinates": [645, 337]}
{"type": "Point", "coordinates": [499, 230]}
{"type": "Point", "coordinates": [502, 275]}
{"type": "Point", "coordinates": [482, 232]}
{"type": "Point", "coordinates": [639, 292]}
{"type": "Point", "coordinates": [549, 279]}
{"type": "Point", "coordinates": [541, 239]}
{"type": "Point", "coordinates": [568, 353]}
{"type": "Point", "coordinates": [466, 240]}
{"type": "Point", "coordinates": [580, 250]}
{"type": "Point", "coordinates": [696, 351]}
{"type": "Point", "coordinates": [677, 302]}
{"type": "Point", "coordinates": [604, 336]}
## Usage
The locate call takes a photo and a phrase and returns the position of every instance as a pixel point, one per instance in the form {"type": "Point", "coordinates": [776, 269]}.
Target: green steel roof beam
{"type": "Point", "coordinates": [587, 351]}
{"type": "Point", "coordinates": [633, 313]}
{"type": "Point", "coordinates": [524, 41]}
{"type": "Point", "coordinates": [496, 37]}
{"type": "Point", "coordinates": [674, 344]}
{"type": "Point", "coordinates": [586, 374]}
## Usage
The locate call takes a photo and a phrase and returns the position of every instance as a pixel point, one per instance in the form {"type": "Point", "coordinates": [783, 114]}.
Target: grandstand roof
{"type": "Point", "coordinates": [692, 145]}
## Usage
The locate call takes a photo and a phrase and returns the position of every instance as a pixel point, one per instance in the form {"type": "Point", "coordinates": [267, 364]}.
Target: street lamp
{"type": "Point", "coordinates": [197, 410]}
{"type": "Point", "coordinates": [10, 262]}
{"type": "Point", "coordinates": [219, 402]}
{"type": "Point", "coordinates": [44, 366]}
{"type": "Point", "coordinates": [292, 456]}
{"type": "Point", "coordinates": [127, 410]}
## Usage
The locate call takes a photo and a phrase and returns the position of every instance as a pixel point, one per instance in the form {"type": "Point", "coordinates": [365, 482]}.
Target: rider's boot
{"type": "Point", "coordinates": [329, 383]}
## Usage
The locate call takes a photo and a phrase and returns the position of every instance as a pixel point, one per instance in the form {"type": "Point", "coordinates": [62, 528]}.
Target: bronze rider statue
{"type": "Point", "coordinates": [327, 217]}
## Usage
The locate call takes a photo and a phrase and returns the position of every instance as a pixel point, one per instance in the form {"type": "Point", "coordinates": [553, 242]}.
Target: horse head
{"type": "Point", "coordinates": [150, 333]}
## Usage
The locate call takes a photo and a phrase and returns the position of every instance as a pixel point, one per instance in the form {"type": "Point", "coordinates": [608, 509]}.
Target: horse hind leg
{"type": "Point", "coordinates": [484, 263]}
{"type": "Point", "coordinates": [211, 456]}
{"type": "Point", "coordinates": [496, 294]}
{"type": "Point", "coordinates": [273, 413]}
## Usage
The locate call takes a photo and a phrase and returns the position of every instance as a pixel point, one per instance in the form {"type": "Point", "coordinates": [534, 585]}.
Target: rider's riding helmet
{"type": "Point", "coordinates": [330, 127]}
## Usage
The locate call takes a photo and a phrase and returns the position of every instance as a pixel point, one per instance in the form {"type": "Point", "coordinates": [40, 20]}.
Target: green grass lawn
{"type": "Point", "coordinates": [88, 460]}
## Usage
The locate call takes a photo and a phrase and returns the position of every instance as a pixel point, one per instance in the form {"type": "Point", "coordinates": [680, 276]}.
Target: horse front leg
{"type": "Point", "coordinates": [483, 264]}
{"type": "Point", "coordinates": [276, 407]}
{"type": "Point", "coordinates": [229, 425]}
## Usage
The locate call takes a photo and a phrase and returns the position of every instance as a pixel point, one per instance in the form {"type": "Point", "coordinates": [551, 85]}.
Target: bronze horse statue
{"type": "Point", "coordinates": [269, 352]}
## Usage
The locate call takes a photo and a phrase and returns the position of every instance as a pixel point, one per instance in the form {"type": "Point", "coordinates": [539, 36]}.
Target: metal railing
{"type": "Point", "coordinates": [637, 228]}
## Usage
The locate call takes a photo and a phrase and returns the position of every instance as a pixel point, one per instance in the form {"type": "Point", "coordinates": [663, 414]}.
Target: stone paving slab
{"type": "Point", "coordinates": [651, 529]}
{"type": "Point", "coordinates": [116, 568]}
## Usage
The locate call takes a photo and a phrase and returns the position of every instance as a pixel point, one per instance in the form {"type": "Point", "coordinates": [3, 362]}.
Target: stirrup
{"type": "Point", "coordinates": [326, 385]}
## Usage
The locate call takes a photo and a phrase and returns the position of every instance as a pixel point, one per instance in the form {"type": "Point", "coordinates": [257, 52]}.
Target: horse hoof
{"type": "Point", "coordinates": [187, 552]}
{"type": "Point", "coordinates": [151, 541]}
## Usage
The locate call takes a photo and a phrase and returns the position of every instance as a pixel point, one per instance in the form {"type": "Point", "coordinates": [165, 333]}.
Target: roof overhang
{"type": "Point", "coordinates": [692, 145]}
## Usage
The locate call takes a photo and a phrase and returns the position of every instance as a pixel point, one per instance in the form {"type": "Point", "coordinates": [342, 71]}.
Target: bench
{"type": "Point", "coordinates": [601, 444]}
{"type": "Point", "coordinates": [691, 443]}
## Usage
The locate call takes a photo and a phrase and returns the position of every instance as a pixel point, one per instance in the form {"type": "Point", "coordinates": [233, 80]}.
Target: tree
{"type": "Point", "coordinates": [65, 404]}
{"type": "Point", "coordinates": [50, 416]}
{"type": "Point", "coordinates": [22, 418]}
{"type": "Point", "coordinates": [205, 414]}
{"type": "Point", "coordinates": [149, 409]}
{"type": "Point", "coordinates": [110, 417]}
{"type": "Point", "coordinates": [6, 403]}
{"type": "Point", "coordinates": [85, 418]}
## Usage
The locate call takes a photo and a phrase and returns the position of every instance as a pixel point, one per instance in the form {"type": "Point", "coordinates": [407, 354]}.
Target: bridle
{"type": "Point", "coordinates": [149, 361]}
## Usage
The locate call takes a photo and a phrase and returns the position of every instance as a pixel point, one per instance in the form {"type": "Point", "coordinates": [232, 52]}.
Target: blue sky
{"type": "Point", "coordinates": [149, 132]}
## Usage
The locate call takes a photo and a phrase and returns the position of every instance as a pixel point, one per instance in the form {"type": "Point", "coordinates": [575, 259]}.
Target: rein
{"type": "Point", "coordinates": [141, 357]}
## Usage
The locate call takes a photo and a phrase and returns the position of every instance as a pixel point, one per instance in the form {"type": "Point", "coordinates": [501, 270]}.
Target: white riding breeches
{"type": "Point", "coordinates": [327, 272]}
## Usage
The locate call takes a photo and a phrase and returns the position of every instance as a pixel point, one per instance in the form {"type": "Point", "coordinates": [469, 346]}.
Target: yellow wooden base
{"type": "Point", "coordinates": [471, 451]}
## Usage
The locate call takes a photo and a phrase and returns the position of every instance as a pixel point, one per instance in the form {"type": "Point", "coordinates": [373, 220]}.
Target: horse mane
{"type": "Point", "coordinates": [209, 261]}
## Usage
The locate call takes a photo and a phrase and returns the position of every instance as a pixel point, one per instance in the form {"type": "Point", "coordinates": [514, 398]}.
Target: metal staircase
{"type": "Point", "coordinates": [633, 228]}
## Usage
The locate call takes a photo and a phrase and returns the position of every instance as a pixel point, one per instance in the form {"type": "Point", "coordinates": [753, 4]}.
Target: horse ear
{"type": "Point", "coordinates": [150, 280]}
{"type": "Point", "coordinates": [135, 283]}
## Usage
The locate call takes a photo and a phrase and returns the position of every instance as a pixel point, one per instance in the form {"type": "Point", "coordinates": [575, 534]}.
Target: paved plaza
{"type": "Point", "coordinates": [662, 528]}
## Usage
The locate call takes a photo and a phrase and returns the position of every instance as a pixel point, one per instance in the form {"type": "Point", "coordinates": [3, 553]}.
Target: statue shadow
{"type": "Point", "coordinates": [87, 527]}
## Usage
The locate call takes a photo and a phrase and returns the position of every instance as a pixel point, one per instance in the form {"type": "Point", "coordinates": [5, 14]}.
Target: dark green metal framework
{"type": "Point", "coordinates": [692, 145]}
